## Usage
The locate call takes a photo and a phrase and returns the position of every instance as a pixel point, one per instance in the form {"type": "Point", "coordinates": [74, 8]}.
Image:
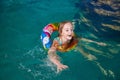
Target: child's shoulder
{"type": "Point", "coordinates": [57, 38]}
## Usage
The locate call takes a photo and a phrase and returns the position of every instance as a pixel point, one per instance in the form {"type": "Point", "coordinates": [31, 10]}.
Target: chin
{"type": "Point", "coordinates": [69, 38]}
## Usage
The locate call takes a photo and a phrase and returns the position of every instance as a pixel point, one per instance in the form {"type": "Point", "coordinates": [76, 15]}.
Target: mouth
{"type": "Point", "coordinates": [69, 36]}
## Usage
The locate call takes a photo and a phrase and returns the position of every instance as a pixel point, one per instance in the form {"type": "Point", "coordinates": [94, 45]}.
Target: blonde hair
{"type": "Point", "coordinates": [61, 25]}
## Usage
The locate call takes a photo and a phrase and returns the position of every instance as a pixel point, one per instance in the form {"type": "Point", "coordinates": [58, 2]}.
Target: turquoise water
{"type": "Point", "coordinates": [22, 56]}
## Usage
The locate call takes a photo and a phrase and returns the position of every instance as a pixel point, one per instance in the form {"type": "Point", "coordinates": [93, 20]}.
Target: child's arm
{"type": "Point", "coordinates": [54, 58]}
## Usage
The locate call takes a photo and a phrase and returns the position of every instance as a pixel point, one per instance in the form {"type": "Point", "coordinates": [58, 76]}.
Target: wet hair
{"type": "Point", "coordinates": [61, 25]}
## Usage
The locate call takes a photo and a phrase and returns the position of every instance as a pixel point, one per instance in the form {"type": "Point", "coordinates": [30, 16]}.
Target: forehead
{"type": "Point", "coordinates": [68, 25]}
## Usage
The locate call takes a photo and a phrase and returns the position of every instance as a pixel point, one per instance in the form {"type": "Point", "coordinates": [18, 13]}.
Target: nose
{"type": "Point", "coordinates": [70, 32]}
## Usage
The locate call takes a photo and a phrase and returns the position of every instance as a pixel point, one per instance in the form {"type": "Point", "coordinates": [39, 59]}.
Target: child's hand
{"type": "Point", "coordinates": [61, 67]}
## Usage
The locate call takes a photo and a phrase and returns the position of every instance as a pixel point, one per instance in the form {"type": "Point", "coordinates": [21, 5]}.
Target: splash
{"type": "Point", "coordinates": [37, 67]}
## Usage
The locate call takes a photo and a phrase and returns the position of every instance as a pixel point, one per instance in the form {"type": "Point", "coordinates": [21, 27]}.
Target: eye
{"type": "Point", "coordinates": [67, 30]}
{"type": "Point", "coordinates": [71, 29]}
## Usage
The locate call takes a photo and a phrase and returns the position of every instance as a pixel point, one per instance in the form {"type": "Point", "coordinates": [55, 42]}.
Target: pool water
{"type": "Point", "coordinates": [22, 56]}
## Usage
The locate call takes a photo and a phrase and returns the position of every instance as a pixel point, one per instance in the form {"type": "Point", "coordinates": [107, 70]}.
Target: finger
{"type": "Point", "coordinates": [65, 67]}
{"type": "Point", "coordinates": [58, 70]}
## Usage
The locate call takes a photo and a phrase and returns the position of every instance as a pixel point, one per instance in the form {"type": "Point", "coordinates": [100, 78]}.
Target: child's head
{"type": "Point", "coordinates": [66, 29]}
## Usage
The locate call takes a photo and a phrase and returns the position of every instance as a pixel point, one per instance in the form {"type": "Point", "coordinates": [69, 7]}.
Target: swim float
{"type": "Point", "coordinates": [46, 34]}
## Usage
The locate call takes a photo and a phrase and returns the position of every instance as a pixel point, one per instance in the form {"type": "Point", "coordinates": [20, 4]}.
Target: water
{"type": "Point", "coordinates": [22, 56]}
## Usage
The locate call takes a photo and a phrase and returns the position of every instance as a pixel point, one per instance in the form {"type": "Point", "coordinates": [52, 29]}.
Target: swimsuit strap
{"type": "Point", "coordinates": [59, 41]}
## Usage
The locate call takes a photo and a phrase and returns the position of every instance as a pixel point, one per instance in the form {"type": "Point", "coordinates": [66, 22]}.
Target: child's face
{"type": "Point", "coordinates": [67, 31]}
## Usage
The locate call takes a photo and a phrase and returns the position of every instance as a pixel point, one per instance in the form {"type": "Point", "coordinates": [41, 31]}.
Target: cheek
{"type": "Point", "coordinates": [63, 33]}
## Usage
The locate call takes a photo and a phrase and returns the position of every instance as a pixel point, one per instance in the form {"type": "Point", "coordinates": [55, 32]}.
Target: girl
{"type": "Point", "coordinates": [65, 42]}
